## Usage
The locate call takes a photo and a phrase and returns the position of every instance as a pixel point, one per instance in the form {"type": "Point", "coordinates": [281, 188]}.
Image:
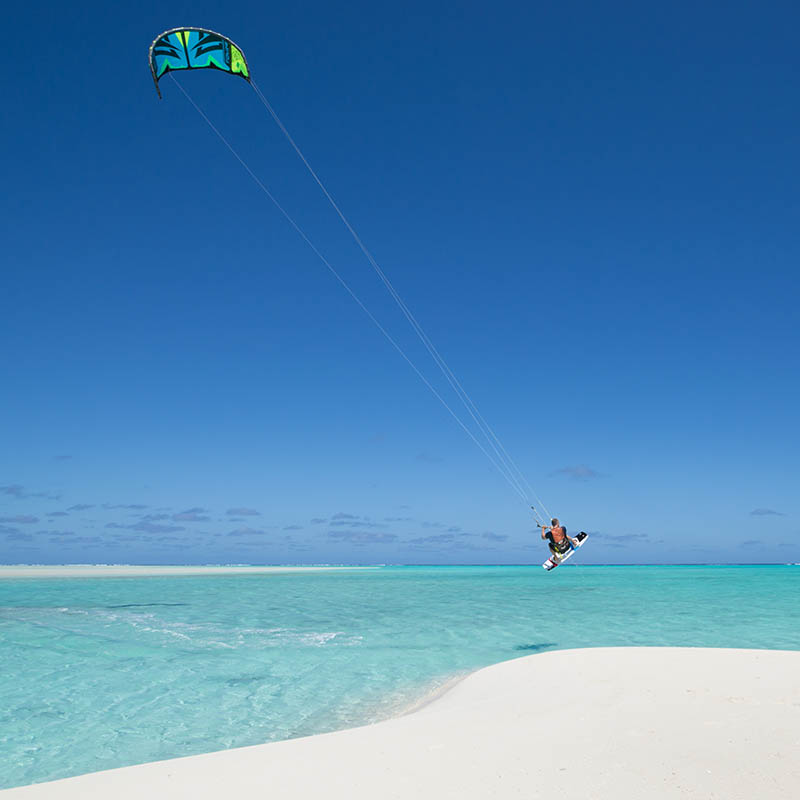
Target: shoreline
{"type": "Point", "coordinates": [431, 696]}
{"type": "Point", "coordinates": [600, 723]}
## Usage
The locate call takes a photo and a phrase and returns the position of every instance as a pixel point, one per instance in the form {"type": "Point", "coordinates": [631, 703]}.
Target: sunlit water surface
{"type": "Point", "coordinates": [104, 672]}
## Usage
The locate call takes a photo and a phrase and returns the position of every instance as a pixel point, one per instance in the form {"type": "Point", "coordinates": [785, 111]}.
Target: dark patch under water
{"type": "Point", "coordinates": [147, 605]}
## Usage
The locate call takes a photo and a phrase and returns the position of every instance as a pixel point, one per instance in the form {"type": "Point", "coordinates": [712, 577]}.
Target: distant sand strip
{"type": "Point", "coordinates": [135, 571]}
{"type": "Point", "coordinates": [595, 724]}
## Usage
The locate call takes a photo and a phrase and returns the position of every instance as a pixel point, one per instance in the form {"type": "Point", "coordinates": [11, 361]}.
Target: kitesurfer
{"type": "Point", "coordinates": [557, 539]}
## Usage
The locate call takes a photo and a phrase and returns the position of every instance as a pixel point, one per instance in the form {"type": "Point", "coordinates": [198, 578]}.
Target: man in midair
{"type": "Point", "coordinates": [557, 539]}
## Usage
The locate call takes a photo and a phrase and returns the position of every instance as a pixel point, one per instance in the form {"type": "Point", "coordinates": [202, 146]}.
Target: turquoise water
{"type": "Point", "coordinates": [104, 672]}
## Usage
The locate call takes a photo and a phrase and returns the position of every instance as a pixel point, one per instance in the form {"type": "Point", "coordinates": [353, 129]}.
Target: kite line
{"type": "Point", "coordinates": [484, 427]}
{"type": "Point", "coordinates": [513, 482]}
{"type": "Point", "coordinates": [199, 48]}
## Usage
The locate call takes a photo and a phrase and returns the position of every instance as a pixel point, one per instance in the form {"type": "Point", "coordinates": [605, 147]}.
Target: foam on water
{"type": "Point", "coordinates": [104, 672]}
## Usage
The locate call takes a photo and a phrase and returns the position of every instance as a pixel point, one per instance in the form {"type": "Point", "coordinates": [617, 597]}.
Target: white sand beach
{"type": "Point", "coordinates": [139, 571]}
{"type": "Point", "coordinates": [593, 724]}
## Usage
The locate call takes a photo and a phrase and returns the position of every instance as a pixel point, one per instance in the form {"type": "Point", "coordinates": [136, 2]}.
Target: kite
{"type": "Point", "coordinates": [195, 48]}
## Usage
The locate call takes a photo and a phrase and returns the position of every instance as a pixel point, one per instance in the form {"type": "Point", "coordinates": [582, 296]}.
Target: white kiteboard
{"type": "Point", "coordinates": [554, 561]}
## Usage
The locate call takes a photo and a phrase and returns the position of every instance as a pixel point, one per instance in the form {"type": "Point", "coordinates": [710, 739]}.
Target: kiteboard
{"type": "Point", "coordinates": [554, 560]}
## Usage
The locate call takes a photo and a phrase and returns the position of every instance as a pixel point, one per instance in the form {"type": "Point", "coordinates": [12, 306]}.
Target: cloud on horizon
{"type": "Point", "coordinates": [243, 512]}
{"type": "Point", "coordinates": [440, 538]}
{"type": "Point", "coordinates": [146, 527]}
{"type": "Point", "coordinates": [18, 536]}
{"type": "Point", "coordinates": [191, 515]}
{"type": "Point", "coordinates": [245, 531]}
{"type": "Point", "coordinates": [765, 512]}
{"type": "Point", "coordinates": [354, 523]}
{"type": "Point", "coordinates": [362, 537]}
{"type": "Point", "coordinates": [580, 472]}
{"type": "Point", "coordinates": [15, 490]}
{"type": "Point", "coordinates": [460, 542]}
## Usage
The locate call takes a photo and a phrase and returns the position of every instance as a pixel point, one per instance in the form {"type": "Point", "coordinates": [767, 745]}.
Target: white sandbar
{"type": "Point", "coordinates": [595, 724]}
{"type": "Point", "coordinates": [135, 571]}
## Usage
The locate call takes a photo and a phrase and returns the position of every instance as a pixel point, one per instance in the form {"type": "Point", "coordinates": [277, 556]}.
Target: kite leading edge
{"type": "Point", "coordinates": [195, 48]}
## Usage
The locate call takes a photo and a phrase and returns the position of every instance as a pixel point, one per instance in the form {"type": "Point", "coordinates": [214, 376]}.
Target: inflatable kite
{"type": "Point", "coordinates": [195, 48]}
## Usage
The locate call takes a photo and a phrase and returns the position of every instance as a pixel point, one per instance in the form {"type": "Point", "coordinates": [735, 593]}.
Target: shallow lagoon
{"type": "Point", "coordinates": [105, 672]}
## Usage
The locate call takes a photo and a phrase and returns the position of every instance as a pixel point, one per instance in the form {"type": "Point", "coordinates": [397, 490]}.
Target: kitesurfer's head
{"type": "Point", "coordinates": [554, 521]}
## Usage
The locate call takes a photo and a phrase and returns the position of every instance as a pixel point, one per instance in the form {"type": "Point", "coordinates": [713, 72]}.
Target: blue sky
{"type": "Point", "coordinates": [592, 210]}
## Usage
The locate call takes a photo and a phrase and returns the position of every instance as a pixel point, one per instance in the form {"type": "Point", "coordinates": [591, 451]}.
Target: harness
{"type": "Point", "coordinates": [563, 546]}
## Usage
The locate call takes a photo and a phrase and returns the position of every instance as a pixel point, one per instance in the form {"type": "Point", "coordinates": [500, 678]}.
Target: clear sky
{"type": "Point", "coordinates": [591, 208]}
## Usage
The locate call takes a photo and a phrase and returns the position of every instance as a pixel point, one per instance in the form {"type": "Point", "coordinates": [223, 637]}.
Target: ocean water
{"type": "Point", "coordinates": [98, 673]}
